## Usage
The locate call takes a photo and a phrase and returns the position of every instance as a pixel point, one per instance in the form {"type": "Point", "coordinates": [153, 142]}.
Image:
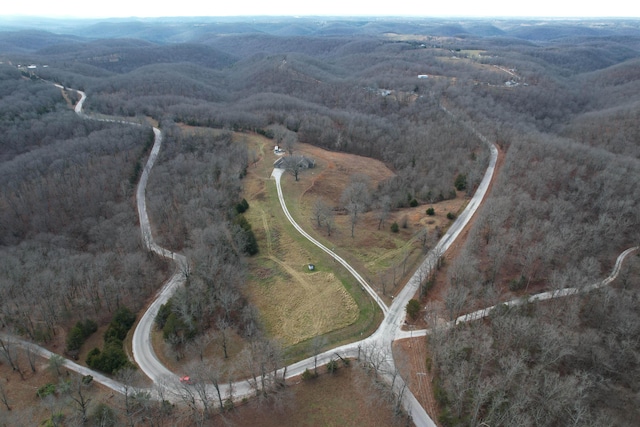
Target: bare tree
{"type": "Point", "coordinates": [228, 297]}
{"type": "Point", "coordinates": [294, 165]}
{"type": "Point", "coordinates": [262, 359]}
{"type": "Point", "coordinates": [224, 327]}
{"type": "Point", "coordinates": [8, 351]}
{"type": "Point", "coordinates": [200, 377]}
{"type": "Point", "coordinates": [3, 395]}
{"type": "Point", "coordinates": [160, 408]}
{"type": "Point", "coordinates": [189, 396]}
{"type": "Point", "coordinates": [131, 394]}
{"type": "Point", "coordinates": [321, 211]}
{"type": "Point", "coordinates": [329, 222]}
{"type": "Point", "coordinates": [374, 357]}
{"type": "Point", "coordinates": [383, 282]}
{"type": "Point", "coordinates": [356, 198]}
{"type": "Point", "coordinates": [454, 300]}
{"type": "Point", "coordinates": [207, 373]}
{"type": "Point", "coordinates": [383, 207]}
{"type": "Point", "coordinates": [31, 356]}
{"type": "Point", "coordinates": [279, 133]}
{"type": "Point", "coordinates": [317, 343]}
{"type": "Point", "coordinates": [249, 364]}
{"type": "Point", "coordinates": [79, 396]}
{"type": "Point", "coordinates": [55, 363]}
{"type": "Point", "coordinates": [289, 142]}
{"type": "Point", "coordinates": [497, 252]}
{"type": "Point", "coordinates": [200, 343]}
{"type": "Point", "coordinates": [230, 378]}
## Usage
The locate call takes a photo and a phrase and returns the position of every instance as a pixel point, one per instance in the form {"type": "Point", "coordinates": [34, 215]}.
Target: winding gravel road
{"type": "Point", "coordinates": [394, 316]}
{"type": "Point", "coordinates": [379, 342]}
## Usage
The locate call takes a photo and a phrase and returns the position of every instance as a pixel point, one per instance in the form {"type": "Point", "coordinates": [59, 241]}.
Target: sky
{"type": "Point", "coordinates": [421, 8]}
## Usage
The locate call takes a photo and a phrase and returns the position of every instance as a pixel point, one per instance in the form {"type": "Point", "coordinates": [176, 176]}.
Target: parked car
{"type": "Point", "coordinates": [186, 380]}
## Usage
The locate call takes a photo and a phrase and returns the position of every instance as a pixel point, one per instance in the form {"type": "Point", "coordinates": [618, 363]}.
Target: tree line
{"type": "Point", "coordinates": [68, 225]}
{"type": "Point", "coordinates": [560, 211]}
{"type": "Point", "coordinates": [570, 361]}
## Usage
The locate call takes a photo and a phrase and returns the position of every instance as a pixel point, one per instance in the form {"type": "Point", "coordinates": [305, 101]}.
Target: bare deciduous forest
{"type": "Point", "coordinates": [560, 99]}
{"type": "Point", "coordinates": [69, 228]}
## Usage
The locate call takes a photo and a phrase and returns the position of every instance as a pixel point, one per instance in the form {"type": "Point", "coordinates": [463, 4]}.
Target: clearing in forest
{"type": "Point", "coordinates": [295, 303]}
{"type": "Point", "coordinates": [386, 259]}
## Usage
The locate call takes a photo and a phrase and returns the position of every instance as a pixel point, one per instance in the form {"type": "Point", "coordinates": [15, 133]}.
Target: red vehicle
{"type": "Point", "coordinates": [186, 380]}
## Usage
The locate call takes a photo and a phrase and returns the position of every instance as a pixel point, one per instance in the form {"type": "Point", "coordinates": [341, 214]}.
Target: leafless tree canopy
{"type": "Point", "coordinates": [559, 98]}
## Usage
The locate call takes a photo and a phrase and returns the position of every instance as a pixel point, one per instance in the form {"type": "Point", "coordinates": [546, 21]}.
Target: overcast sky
{"type": "Point", "coordinates": [442, 8]}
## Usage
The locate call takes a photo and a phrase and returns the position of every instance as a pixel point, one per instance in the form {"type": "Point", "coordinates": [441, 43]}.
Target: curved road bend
{"type": "Point", "coordinates": [142, 349]}
{"type": "Point", "coordinates": [277, 174]}
{"type": "Point", "coordinates": [388, 331]}
{"type": "Point", "coordinates": [143, 352]}
{"type": "Point", "coordinates": [382, 338]}
{"type": "Point", "coordinates": [395, 315]}
{"type": "Point", "coordinates": [558, 293]}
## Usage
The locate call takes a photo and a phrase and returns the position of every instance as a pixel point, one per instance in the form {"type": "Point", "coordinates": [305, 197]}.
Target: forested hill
{"type": "Point", "coordinates": [194, 30]}
{"type": "Point", "coordinates": [348, 84]}
{"type": "Point", "coordinates": [560, 98]}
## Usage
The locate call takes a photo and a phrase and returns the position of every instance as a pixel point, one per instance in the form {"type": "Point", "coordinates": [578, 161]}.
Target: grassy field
{"type": "Point", "coordinates": [297, 304]}
{"type": "Point", "coordinates": [384, 258]}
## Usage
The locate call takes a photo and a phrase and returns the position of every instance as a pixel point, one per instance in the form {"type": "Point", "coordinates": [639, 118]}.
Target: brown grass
{"type": "Point", "coordinates": [379, 255]}
{"type": "Point", "coordinates": [295, 304]}
{"type": "Point", "coordinates": [27, 409]}
{"type": "Point", "coordinates": [384, 258]}
{"type": "Point", "coordinates": [341, 399]}
{"type": "Point", "coordinates": [415, 350]}
{"type": "Point", "coordinates": [411, 359]}
{"type": "Point", "coordinates": [346, 398]}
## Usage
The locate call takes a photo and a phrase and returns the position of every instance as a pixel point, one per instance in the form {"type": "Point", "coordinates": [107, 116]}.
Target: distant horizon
{"type": "Point", "coordinates": [463, 9]}
{"type": "Point", "coordinates": [241, 17]}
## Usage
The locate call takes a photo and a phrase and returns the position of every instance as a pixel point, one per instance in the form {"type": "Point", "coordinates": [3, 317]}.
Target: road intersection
{"type": "Point", "coordinates": [379, 342]}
